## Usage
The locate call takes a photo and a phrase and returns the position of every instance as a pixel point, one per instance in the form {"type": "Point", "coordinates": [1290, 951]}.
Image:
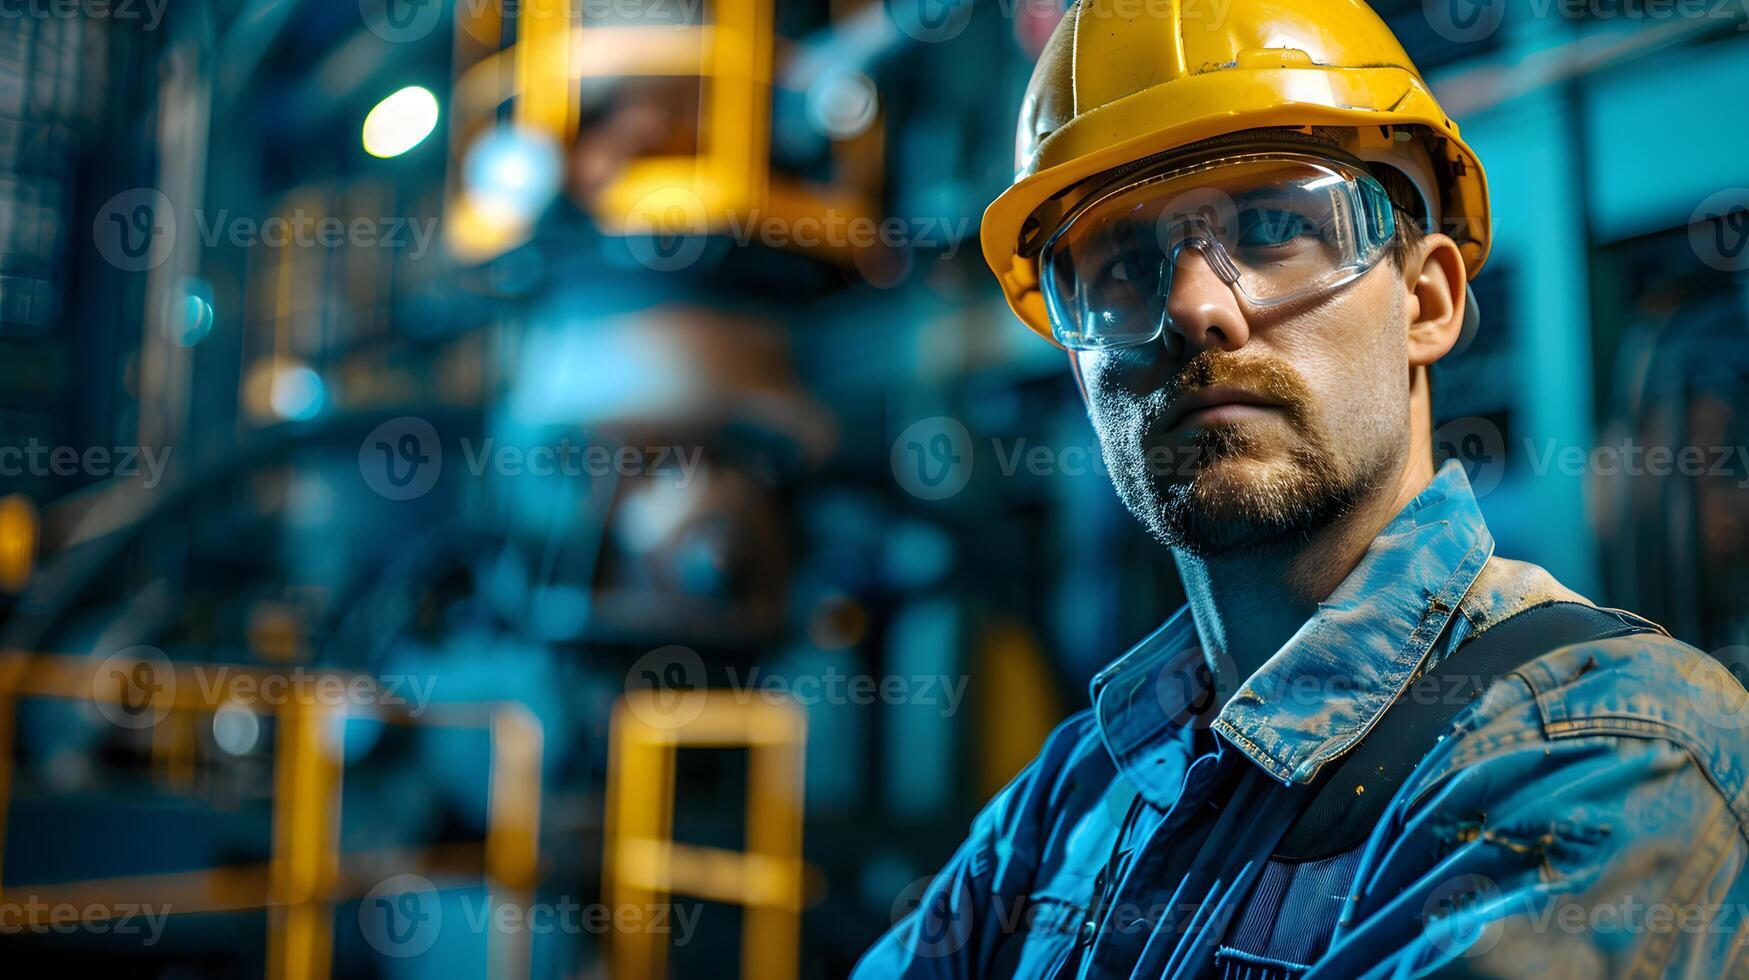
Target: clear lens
{"type": "Point", "coordinates": [1274, 228]}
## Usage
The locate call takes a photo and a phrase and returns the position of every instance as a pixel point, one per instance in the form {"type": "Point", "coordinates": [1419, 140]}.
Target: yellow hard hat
{"type": "Point", "coordinates": [1126, 80]}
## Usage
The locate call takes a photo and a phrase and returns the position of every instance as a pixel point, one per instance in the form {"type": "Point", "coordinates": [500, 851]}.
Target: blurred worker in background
{"type": "Point", "coordinates": [1368, 745]}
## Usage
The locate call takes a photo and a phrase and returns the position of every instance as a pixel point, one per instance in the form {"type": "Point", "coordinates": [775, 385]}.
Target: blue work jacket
{"type": "Point", "coordinates": [1584, 817]}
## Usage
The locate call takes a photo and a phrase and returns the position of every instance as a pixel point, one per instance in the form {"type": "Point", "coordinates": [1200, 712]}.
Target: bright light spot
{"type": "Point", "coordinates": [842, 103]}
{"type": "Point", "coordinates": [400, 122]}
{"type": "Point", "coordinates": [235, 729]}
{"type": "Point", "coordinates": [511, 174]}
{"type": "Point", "coordinates": [192, 316]}
{"type": "Point", "coordinates": [298, 393]}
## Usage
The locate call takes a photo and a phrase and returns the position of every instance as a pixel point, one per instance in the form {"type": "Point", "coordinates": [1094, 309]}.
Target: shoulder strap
{"type": "Point", "coordinates": [1351, 798]}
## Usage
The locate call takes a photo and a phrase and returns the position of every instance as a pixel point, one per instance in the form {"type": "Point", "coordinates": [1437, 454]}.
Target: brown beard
{"type": "Point", "coordinates": [1193, 506]}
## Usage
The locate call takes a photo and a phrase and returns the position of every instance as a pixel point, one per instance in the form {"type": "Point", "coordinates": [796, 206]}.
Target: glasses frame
{"type": "Point", "coordinates": [1375, 228]}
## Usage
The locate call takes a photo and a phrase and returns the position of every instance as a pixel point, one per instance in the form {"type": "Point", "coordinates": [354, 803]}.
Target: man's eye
{"type": "Point", "coordinates": [1130, 268]}
{"type": "Point", "coordinates": [1270, 228]}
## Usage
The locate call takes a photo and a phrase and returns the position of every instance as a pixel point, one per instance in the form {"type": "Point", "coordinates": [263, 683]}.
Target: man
{"type": "Point", "coordinates": [1369, 746]}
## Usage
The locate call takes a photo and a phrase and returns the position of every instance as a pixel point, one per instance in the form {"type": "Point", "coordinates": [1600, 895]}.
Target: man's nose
{"type": "Point", "coordinates": [1202, 311]}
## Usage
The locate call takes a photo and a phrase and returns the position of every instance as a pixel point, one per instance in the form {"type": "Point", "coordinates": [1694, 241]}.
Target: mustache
{"type": "Point", "coordinates": [1267, 376]}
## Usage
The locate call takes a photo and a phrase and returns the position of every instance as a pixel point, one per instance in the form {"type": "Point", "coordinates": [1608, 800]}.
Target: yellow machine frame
{"type": "Point", "coordinates": [643, 864]}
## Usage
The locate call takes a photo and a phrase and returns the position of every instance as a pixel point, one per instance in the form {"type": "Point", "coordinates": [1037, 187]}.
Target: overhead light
{"type": "Point", "coordinates": [400, 122]}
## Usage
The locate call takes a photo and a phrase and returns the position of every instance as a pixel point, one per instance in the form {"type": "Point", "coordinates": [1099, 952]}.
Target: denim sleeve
{"type": "Point", "coordinates": [1584, 820]}
{"type": "Point", "coordinates": [966, 911]}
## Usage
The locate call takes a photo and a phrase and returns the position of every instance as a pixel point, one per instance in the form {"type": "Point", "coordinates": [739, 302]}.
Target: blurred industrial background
{"type": "Point", "coordinates": [549, 487]}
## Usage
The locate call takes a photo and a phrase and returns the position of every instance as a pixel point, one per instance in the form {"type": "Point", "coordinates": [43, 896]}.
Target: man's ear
{"type": "Point", "coordinates": [1436, 280]}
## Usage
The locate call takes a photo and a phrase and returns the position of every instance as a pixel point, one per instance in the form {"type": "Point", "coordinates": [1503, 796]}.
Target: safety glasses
{"type": "Point", "coordinates": [1274, 226]}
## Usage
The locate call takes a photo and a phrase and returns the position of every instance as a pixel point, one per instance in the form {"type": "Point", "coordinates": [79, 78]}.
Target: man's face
{"type": "Point", "coordinates": [1242, 427]}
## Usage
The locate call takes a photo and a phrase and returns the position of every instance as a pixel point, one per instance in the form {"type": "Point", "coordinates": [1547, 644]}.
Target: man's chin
{"type": "Point", "coordinates": [1235, 481]}
{"type": "Point", "coordinates": [1235, 501]}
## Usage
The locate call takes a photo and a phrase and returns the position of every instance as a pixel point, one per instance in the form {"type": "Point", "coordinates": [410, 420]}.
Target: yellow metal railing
{"type": "Point", "coordinates": [305, 875]}
{"type": "Point", "coordinates": [644, 866]}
